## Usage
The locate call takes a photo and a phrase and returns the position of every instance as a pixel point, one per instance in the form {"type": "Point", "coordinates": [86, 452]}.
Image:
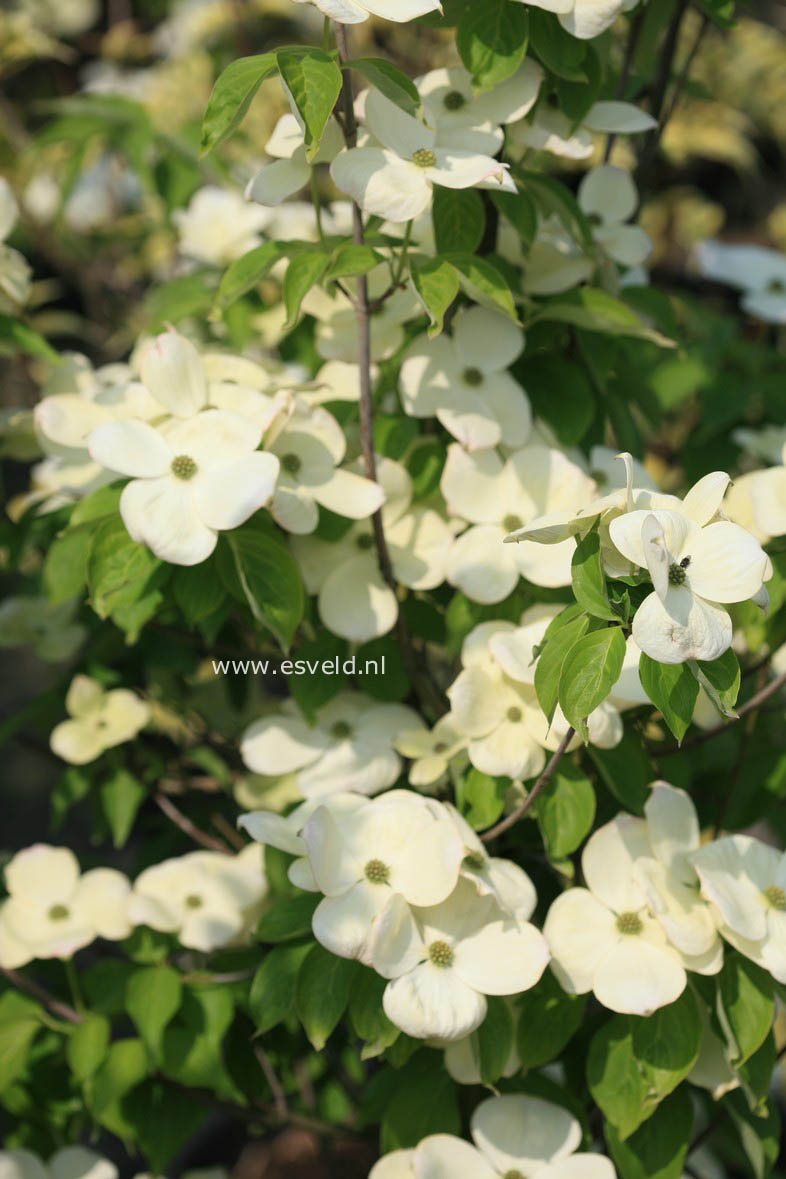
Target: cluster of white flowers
{"type": "Point", "coordinates": [98, 721]}
{"type": "Point", "coordinates": [77, 1162]}
{"type": "Point", "coordinates": [409, 890]}
{"type": "Point", "coordinates": [207, 899]}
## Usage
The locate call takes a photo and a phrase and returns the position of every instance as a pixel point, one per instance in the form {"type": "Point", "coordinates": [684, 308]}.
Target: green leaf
{"type": "Point", "coordinates": [65, 566]}
{"type": "Point", "coordinates": [483, 282]}
{"type": "Point", "coordinates": [231, 97]}
{"type": "Point", "coordinates": [576, 97]}
{"type": "Point", "coordinates": [572, 413]}
{"type": "Point", "coordinates": [389, 80]}
{"type": "Point", "coordinates": [349, 260]}
{"type": "Point", "coordinates": [269, 579]}
{"type": "Point", "coordinates": [566, 811]}
{"type": "Point", "coordinates": [548, 1019]}
{"type": "Point", "coordinates": [125, 1065]}
{"type": "Point", "coordinates": [303, 272]}
{"type": "Point", "coordinates": [23, 338]}
{"type": "Point", "coordinates": [481, 798]}
{"type": "Point", "coordinates": [272, 996]}
{"type": "Point", "coordinates": [192, 1051]}
{"type": "Point", "coordinates": [367, 1016]}
{"type": "Point", "coordinates": [759, 1136]}
{"type": "Point", "coordinates": [591, 669]}
{"type": "Point", "coordinates": [313, 80]}
{"type": "Point", "coordinates": [589, 581]}
{"type": "Point", "coordinates": [322, 993]}
{"type": "Point", "coordinates": [120, 572]}
{"type": "Point", "coordinates": [423, 1102]}
{"type": "Point", "coordinates": [559, 52]}
{"type": "Point", "coordinates": [87, 1045]}
{"type": "Point", "coordinates": [288, 918]}
{"type": "Point", "coordinates": [626, 771]}
{"type": "Point", "coordinates": [459, 219]}
{"type": "Point", "coordinates": [247, 272]}
{"type": "Point", "coordinates": [20, 1020]}
{"type": "Point", "coordinates": [436, 285]}
{"type": "Point", "coordinates": [658, 1148]}
{"type": "Point", "coordinates": [494, 1039]}
{"type": "Point", "coordinates": [153, 996]}
{"type": "Point", "coordinates": [121, 798]}
{"type": "Point", "coordinates": [519, 209]}
{"type": "Point", "coordinates": [745, 1006]}
{"type": "Point", "coordinates": [491, 38]}
{"type": "Point", "coordinates": [97, 505]}
{"type": "Point", "coordinates": [720, 680]}
{"type": "Point", "coordinates": [179, 299]}
{"type": "Point", "coordinates": [548, 669]}
{"type": "Point", "coordinates": [198, 591]}
{"type": "Point", "coordinates": [596, 311]}
{"type": "Point", "coordinates": [673, 691]}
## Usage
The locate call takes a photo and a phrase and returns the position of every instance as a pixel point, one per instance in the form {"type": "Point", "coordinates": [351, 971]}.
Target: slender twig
{"type": "Point", "coordinates": [532, 796]}
{"type": "Point", "coordinates": [233, 837]}
{"type": "Point", "coordinates": [685, 72]}
{"type": "Point", "coordinates": [752, 705]}
{"type": "Point", "coordinates": [184, 823]}
{"type": "Point", "coordinates": [636, 26]}
{"type": "Point", "coordinates": [661, 84]}
{"type": "Point", "coordinates": [276, 1088]}
{"type": "Point", "coordinates": [30, 987]}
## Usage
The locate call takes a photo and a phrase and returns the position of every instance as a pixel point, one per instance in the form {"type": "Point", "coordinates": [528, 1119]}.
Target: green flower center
{"type": "Point", "coordinates": [600, 477]}
{"type": "Point", "coordinates": [514, 1174]}
{"type": "Point", "coordinates": [194, 901]}
{"type": "Point", "coordinates": [514, 715]}
{"type": "Point", "coordinates": [511, 523]}
{"type": "Point", "coordinates": [475, 860]}
{"type": "Point", "coordinates": [629, 923]}
{"type": "Point", "coordinates": [440, 747]}
{"type": "Point", "coordinates": [454, 100]}
{"type": "Point", "coordinates": [440, 954]}
{"type": "Point", "coordinates": [341, 729]}
{"type": "Point", "coordinates": [776, 897]}
{"type": "Point", "coordinates": [424, 158]}
{"type": "Point", "coordinates": [776, 286]}
{"type": "Point", "coordinates": [292, 463]}
{"type": "Point", "coordinates": [184, 467]}
{"type": "Point", "coordinates": [472, 376]}
{"type": "Point", "coordinates": [58, 913]}
{"type": "Point", "coordinates": [678, 573]}
{"type": "Point", "coordinates": [376, 872]}
{"type": "Point", "coordinates": [365, 541]}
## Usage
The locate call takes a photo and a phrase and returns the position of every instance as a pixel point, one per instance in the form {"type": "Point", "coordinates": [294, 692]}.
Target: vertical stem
{"type": "Point", "coordinates": [661, 85]}
{"type": "Point", "coordinates": [317, 203]}
{"type": "Point", "coordinates": [73, 984]}
{"type": "Point", "coordinates": [636, 26]}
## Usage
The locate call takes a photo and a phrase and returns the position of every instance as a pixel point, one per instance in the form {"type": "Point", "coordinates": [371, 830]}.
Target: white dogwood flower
{"type": "Point", "coordinates": [506, 882]}
{"type": "Point", "coordinates": [309, 448]}
{"type": "Point", "coordinates": [498, 497]}
{"type": "Point", "coordinates": [336, 334]}
{"type": "Point", "coordinates": [756, 271]}
{"type": "Point", "coordinates": [431, 750]}
{"type": "Point", "coordinates": [462, 380]}
{"type": "Point", "coordinates": [585, 18]}
{"type": "Point", "coordinates": [98, 720]}
{"type": "Point", "coordinates": [353, 599]}
{"type": "Point", "coordinates": [398, 843]}
{"type": "Point", "coordinates": [443, 960]}
{"type": "Point", "coordinates": [767, 498]}
{"type": "Point", "coordinates": [608, 197]}
{"type": "Point", "coordinates": [350, 747]}
{"type": "Point", "coordinates": [471, 120]}
{"type": "Point", "coordinates": [695, 571]}
{"type": "Point", "coordinates": [190, 479]}
{"type": "Point", "coordinates": [52, 911]}
{"type": "Point", "coordinates": [351, 12]}
{"type": "Point", "coordinates": [462, 1057]}
{"type": "Point", "coordinates": [603, 938]}
{"type": "Point", "coordinates": [289, 170]}
{"type": "Point", "coordinates": [70, 1162]}
{"type": "Point", "coordinates": [218, 226]}
{"type": "Point", "coordinates": [285, 832]}
{"type": "Point", "coordinates": [205, 897]}
{"type": "Point", "coordinates": [399, 1164]}
{"type": "Point", "coordinates": [745, 880]}
{"type": "Point", "coordinates": [514, 1134]}
{"type": "Point", "coordinates": [552, 131]}
{"type": "Point", "coordinates": [394, 181]}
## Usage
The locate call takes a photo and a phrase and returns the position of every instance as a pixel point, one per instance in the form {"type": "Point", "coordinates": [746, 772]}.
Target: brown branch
{"type": "Point", "coordinates": [233, 837]}
{"type": "Point", "coordinates": [280, 1103]}
{"type": "Point", "coordinates": [752, 705]}
{"type": "Point", "coordinates": [53, 1004]}
{"type": "Point", "coordinates": [636, 26]}
{"type": "Point", "coordinates": [538, 788]}
{"type": "Point", "coordinates": [184, 823]}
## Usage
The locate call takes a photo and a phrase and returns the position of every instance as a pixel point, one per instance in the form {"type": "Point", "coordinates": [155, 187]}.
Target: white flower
{"type": "Point", "coordinates": [608, 197]}
{"type": "Point", "coordinates": [349, 748]}
{"type": "Point", "coordinates": [758, 272]}
{"type": "Point", "coordinates": [443, 961]}
{"type": "Point", "coordinates": [506, 882]}
{"type": "Point", "coordinates": [396, 1165]}
{"type": "Point", "coordinates": [693, 569]}
{"type": "Point", "coordinates": [431, 750]}
{"type": "Point", "coordinates": [584, 18]}
{"type": "Point", "coordinates": [745, 880]}
{"type": "Point", "coordinates": [463, 382]}
{"type": "Point", "coordinates": [767, 496]}
{"type": "Point", "coordinates": [472, 121]}
{"type": "Point", "coordinates": [398, 843]}
{"type": "Point", "coordinates": [552, 131]}
{"type": "Point", "coordinates": [309, 449]}
{"type": "Point", "coordinates": [285, 831]}
{"type": "Point", "coordinates": [15, 272]}
{"type": "Point", "coordinates": [218, 226]}
{"type": "Point", "coordinates": [207, 898]}
{"type": "Point", "coordinates": [394, 181]}
{"type": "Point", "coordinates": [336, 335]}
{"type": "Point", "coordinates": [351, 12]}
{"type": "Point", "coordinates": [190, 479]}
{"type": "Point", "coordinates": [290, 170]}
{"type": "Point", "coordinates": [52, 911]}
{"type": "Point", "coordinates": [99, 720]}
{"type": "Point", "coordinates": [603, 938]}
{"type": "Point", "coordinates": [50, 630]}
{"type": "Point", "coordinates": [553, 263]}
{"type": "Point", "coordinates": [499, 497]}
{"type": "Point", "coordinates": [354, 601]}
{"type": "Point", "coordinates": [514, 1134]}
{"type": "Point", "coordinates": [70, 1162]}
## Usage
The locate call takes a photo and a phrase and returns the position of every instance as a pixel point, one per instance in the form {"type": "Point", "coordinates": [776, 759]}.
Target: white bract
{"type": "Point", "coordinates": [745, 881]}
{"type": "Point", "coordinates": [70, 1162]}
{"type": "Point", "coordinates": [498, 497]}
{"type": "Point", "coordinates": [431, 751]}
{"type": "Point", "coordinates": [608, 197]}
{"type": "Point", "coordinates": [336, 335]}
{"type": "Point", "coordinates": [290, 170]}
{"type": "Point", "coordinates": [208, 899]}
{"type": "Point", "coordinates": [285, 831]}
{"type": "Point", "coordinates": [309, 448]}
{"type": "Point", "coordinates": [15, 272]}
{"type": "Point", "coordinates": [349, 748]}
{"type": "Point", "coordinates": [99, 720]}
{"type": "Point", "coordinates": [756, 271]}
{"type": "Point", "coordinates": [462, 380]}
{"type": "Point", "coordinates": [354, 601]}
{"type": "Point", "coordinates": [443, 960]}
{"type": "Point", "coordinates": [218, 226]}
{"type": "Point", "coordinates": [585, 18]}
{"type": "Point", "coordinates": [472, 120]}
{"type": "Point", "coordinates": [52, 911]}
{"type": "Point", "coordinates": [395, 180]}
{"type": "Point", "coordinates": [351, 12]}
{"type": "Point", "coordinates": [552, 131]}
